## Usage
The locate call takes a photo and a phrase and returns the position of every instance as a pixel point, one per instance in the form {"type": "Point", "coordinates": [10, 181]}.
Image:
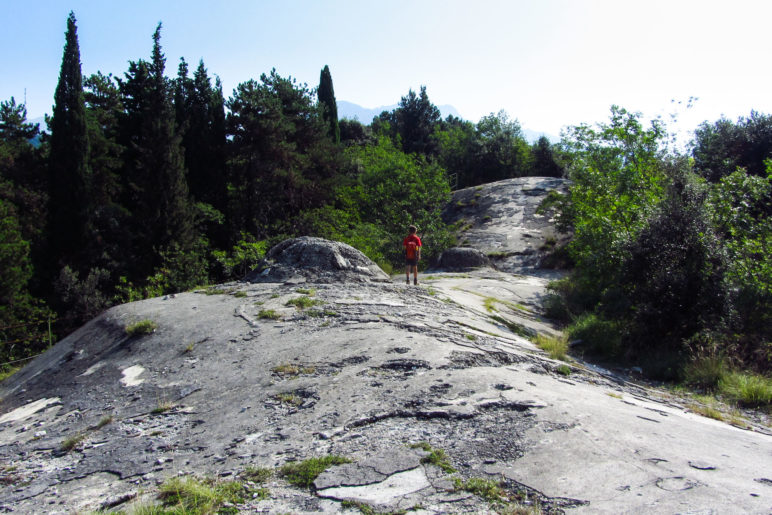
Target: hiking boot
{"type": "Point", "coordinates": [415, 282]}
{"type": "Point", "coordinates": [407, 281]}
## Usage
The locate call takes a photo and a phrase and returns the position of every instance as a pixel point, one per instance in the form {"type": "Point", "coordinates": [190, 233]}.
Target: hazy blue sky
{"type": "Point", "coordinates": [548, 63]}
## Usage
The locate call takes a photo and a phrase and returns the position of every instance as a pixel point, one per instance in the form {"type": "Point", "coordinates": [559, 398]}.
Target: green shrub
{"type": "Point", "coordinates": [142, 327]}
{"type": "Point", "coordinates": [599, 336]}
{"type": "Point", "coordinates": [674, 276]}
{"type": "Point", "coordinates": [555, 308]}
{"type": "Point", "coordinates": [706, 372]}
{"type": "Point", "coordinates": [303, 473]}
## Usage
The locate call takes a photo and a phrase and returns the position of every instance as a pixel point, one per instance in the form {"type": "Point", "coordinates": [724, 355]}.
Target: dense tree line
{"type": "Point", "coordinates": [146, 184]}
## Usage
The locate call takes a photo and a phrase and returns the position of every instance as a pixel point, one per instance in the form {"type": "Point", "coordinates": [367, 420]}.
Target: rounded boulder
{"type": "Point", "coordinates": [310, 259]}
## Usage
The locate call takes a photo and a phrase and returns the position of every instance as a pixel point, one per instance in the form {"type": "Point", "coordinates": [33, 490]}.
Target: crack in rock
{"type": "Point", "coordinates": [384, 492]}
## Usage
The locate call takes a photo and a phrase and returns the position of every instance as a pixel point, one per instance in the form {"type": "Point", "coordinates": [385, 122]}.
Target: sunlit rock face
{"type": "Point", "coordinates": [316, 260]}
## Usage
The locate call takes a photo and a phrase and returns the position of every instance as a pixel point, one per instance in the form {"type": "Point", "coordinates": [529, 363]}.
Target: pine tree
{"type": "Point", "coordinates": [326, 95]}
{"type": "Point", "coordinates": [415, 120]}
{"type": "Point", "coordinates": [68, 168]}
{"type": "Point", "coordinates": [281, 157]}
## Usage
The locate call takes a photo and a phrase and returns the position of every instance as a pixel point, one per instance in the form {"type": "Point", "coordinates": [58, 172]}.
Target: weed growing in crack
{"type": "Point", "coordinates": [366, 509]}
{"type": "Point", "coordinates": [563, 370]}
{"type": "Point", "coordinates": [321, 314]}
{"type": "Point", "coordinates": [9, 475]}
{"type": "Point", "coordinates": [303, 473]}
{"type": "Point", "coordinates": [289, 398]}
{"type": "Point", "coordinates": [288, 369]}
{"type": "Point", "coordinates": [163, 407]}
{"type": "Point", "coordinates": [436, 457]}
{"type": "Point", "coordinates": [240, 294]}
{"type": "Point", "coordinates": [306, 291]}
{"type": "Point", "coordinates": [107, 419]}
{"type": "Point", "coordinates": [72, 442]}
{"type": "Point", "coordinates": [516, 328]}
{"type": "Point", "coordinates": [487, 489]}
{"type": "Point", "coordinates": [492, 492]}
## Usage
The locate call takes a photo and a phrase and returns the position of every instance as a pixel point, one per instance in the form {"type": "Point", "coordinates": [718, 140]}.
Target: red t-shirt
{"type": "Point", "coordinates": [411, 243]}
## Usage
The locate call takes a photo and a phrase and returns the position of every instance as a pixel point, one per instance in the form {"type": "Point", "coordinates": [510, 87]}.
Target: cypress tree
{"type": "Point", "coordinates": [326, 95]}
{"type": "Point", "coordinates": [156, 189]}
{"type": "Point", "coordinates": [68, 167]}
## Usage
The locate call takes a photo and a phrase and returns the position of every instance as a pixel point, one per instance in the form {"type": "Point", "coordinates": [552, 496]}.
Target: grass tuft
{"type": "Point", "coordinates": [436, 457]}
{"type": "Point", "coordinates": [268, 314]}
{"type": "Point", "coordinates": [564, 370]}
{"type": "Point", "coordinates": [107, 419]}
{"type": "Point", "coordinates": [303, 302]}
{"type": "Point", "coordinates": [289, 398]}
{"type": "Point", "coordinates": [142, 327]}
{"type": "Point", "coordinates": [163, 407]}
{"type": "Point", "coordinates": [257, 474]}
{"type": "Point", "coordinates": [7, 372]}
{"type": "Point", "coordinates": [487, 489]}
{"type": "Point", "coordinates": [194, 496]}
{"type": "Point", "coordinates": [288, 369]}
{"type": "Point", "coordinates": [303, 473]}
{"type": "Point", "coordinates": [556, 347]}
{"type": "Point", "coordinates": [72, 442]}
{"type": "Point", "coordinates": [747, 389]}
{"type": "Point", "coordinates": [514, 327]}
{"type": "Point", "coordinates": [492, 491]}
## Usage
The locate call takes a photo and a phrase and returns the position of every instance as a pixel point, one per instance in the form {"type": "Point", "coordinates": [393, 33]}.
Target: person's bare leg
{"type": "Point", "coordinates": [415, 274]}
{"type": "Point", "coordinates": [407, 274]}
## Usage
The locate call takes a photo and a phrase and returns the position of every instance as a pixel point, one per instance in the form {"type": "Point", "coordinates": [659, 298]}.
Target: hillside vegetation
{"type": "Point", "coordinates": [146, 184]}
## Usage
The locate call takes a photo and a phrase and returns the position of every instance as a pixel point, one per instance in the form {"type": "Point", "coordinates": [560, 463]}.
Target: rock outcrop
{"type": "Point", "coordinates": [316, 260]}
{"type": "Point", "coordinates": [501, 220]}
{"type": "Point", "coordinates": [407, 383]}
{"type": "Point", "coordinates": [460, 259]}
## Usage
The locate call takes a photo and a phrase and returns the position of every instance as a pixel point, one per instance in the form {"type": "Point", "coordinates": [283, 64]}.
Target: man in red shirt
{"type": "Point", "coordinates": [412, 245]}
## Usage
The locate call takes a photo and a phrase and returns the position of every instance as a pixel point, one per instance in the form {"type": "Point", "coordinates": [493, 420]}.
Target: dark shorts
{"type": "Point", "coordinates": [411, 262]}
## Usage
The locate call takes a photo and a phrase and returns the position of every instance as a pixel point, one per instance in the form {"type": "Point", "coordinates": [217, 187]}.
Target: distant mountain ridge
{"type": "Point", "coordinates": [365, 115]}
